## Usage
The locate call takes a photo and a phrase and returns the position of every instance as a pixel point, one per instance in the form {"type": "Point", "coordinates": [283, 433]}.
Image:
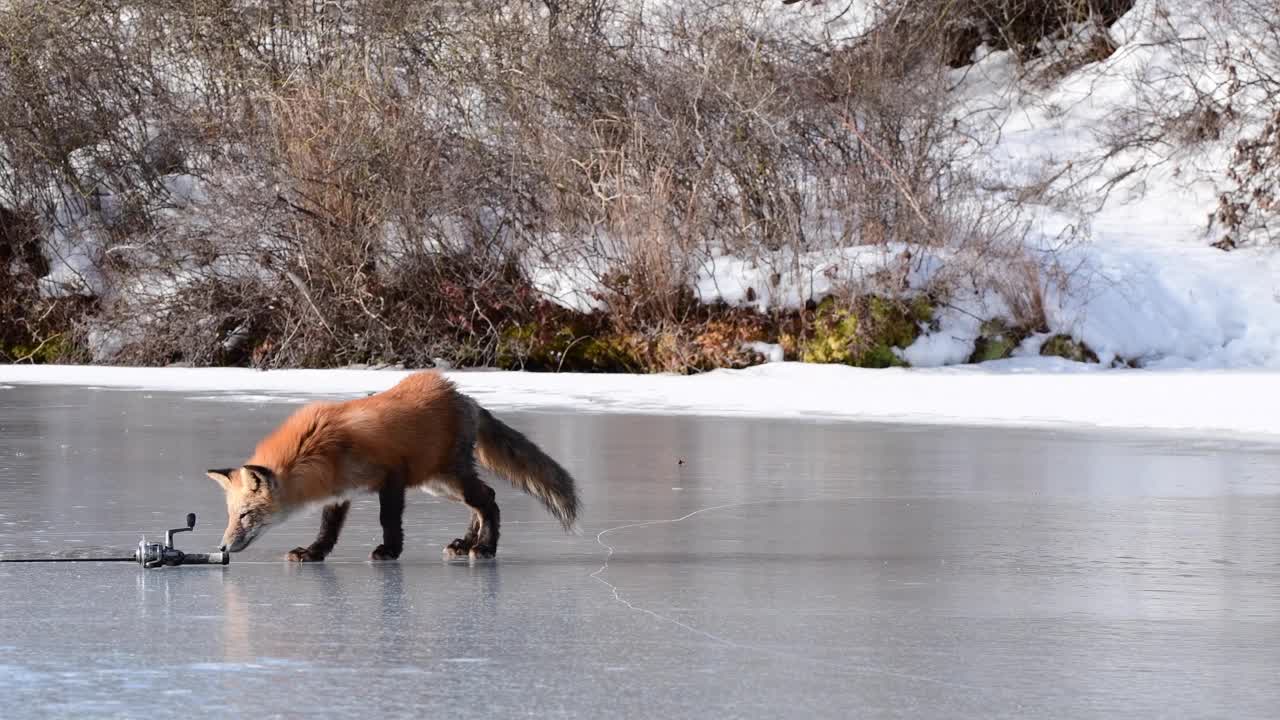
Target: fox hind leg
{"type": "Point", "coordinates": [481, 540]}
{"type": "Point", "coordinates": [331, 520]}
{"type": "Point", "coordinates": [391, 516]}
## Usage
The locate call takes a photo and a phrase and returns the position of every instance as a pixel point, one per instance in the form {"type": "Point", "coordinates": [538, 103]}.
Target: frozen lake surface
{"type": "Point", "coordinates": [783, 569]}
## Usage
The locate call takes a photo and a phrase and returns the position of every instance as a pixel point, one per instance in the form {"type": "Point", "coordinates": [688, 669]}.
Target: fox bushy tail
{"type": "Point", "coordinates": [507, 452]}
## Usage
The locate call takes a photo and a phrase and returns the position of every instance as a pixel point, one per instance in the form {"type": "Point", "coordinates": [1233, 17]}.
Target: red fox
{"type": "Point", "coordinates": [421, 432]}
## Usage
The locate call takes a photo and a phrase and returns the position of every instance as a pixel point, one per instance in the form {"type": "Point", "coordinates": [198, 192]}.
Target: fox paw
{"type": "Point", "coordinates": [301, 554]}
{"type": "Point", "coordinates": [382, 552]}
{"type": "Point", "coordinates": [482, 552]}
{"type": "Point", "coordinates": [459, 548]}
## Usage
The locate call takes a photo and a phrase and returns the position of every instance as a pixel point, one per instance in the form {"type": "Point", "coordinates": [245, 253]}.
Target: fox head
{"type": "Point", "coordinates": [253, 503]}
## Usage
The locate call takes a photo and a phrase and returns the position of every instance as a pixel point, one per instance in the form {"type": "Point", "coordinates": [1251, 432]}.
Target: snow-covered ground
{"type": "Point", "coordinates": [1044, 392]}
{"type": "Point", "coordinates": [1141, 281]}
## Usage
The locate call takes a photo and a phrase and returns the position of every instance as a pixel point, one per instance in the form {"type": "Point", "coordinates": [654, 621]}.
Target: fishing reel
{"type": "Point", "coordinates": [153, 555]}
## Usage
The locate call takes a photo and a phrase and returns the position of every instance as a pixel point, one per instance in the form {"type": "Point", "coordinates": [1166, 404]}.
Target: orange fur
{"type": "Point", "coordinates": [412, 425]}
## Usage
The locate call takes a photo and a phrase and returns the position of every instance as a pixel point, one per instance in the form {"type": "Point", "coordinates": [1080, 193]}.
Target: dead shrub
{"type": "Point", "coordinates": [323, 184]}
{"type": "Point", "coordinates": [1022, 290]}
{"type": "Point", "coordinates": [34, 328]}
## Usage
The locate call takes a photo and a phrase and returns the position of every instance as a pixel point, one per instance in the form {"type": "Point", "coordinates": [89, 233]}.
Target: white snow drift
{"type": "Point", "coordinates": [1041, 392]}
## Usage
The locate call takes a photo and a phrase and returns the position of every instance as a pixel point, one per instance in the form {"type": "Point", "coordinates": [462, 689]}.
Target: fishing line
{"type": "Point", "coordinates": [148, 555]}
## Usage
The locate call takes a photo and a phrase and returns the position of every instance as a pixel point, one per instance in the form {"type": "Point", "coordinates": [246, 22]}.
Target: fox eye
{"type": "Point", "coordinates": [244, 515]}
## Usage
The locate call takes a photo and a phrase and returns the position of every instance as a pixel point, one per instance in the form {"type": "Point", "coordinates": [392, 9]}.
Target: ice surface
{"type": "Point", "coordinates": [728, 568]}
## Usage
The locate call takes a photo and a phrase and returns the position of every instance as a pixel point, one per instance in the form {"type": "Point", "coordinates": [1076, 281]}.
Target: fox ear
{"type": "Point", "coordinates": [222, 476]}
{"type": "Point", "coordinates": [262, 477]}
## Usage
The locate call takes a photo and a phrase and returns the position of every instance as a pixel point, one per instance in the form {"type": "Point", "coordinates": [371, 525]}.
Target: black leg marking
{"type": "Point", "coordinates": [481, 540]}
{"type": "Point", "coordinates": [461, 547]}
{"type": "Point", "coordinates": [331, 520]}
{"type": "Point", "coordinates": [391, 515]}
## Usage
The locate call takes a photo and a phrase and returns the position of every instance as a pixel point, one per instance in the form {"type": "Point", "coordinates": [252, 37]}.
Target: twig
{"type": "Point", "coordinates": [897, 179]}
{"type": "Point", "coordinates": [302, 288]}
{"type": "Point", "coordinates": [37, 349]}
{"type": "Point", "coordinates": [565, 354]}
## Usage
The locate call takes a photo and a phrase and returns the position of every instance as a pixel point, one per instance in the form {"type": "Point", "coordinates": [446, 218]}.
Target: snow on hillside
{"type": "Point", "coordinates": [1144, 283]}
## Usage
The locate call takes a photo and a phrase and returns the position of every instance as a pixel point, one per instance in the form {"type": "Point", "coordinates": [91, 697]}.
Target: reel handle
{"type": "Point", "coordinates": [191, 525]}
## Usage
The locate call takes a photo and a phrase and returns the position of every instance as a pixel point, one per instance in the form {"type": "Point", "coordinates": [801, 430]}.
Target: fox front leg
{"type": "Point", "coordinates": [331, 520]}
{"type": "Point", "coordinates": [390, 515]}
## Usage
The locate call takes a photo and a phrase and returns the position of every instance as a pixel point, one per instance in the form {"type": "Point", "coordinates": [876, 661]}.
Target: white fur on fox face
{"type": "Point", "coordinates": [245, 539]}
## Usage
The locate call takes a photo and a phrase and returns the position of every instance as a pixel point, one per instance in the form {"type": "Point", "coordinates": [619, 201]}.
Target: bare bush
{"type": "Point", "coordinates": [1249, 212]}
{"type": "Point", "coordinates": [320, 184]}
{"type": "Point", "coordinates": [33, 328]}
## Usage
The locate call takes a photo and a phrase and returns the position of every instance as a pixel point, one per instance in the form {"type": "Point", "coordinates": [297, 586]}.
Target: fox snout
{"type": "Point", "coordinates": [243, 529]}
{"type": "Point", "coordinates": [233, 542]}
{"type": "Point", "coordinates": [238, 542]}
{"type": "Point", "coordinates": [252, 504]}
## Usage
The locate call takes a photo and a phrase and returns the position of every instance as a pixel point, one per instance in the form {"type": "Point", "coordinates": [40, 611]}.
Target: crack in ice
{"type": "Point", "coordinates": [848, 667]}
{"type": "Point", "coordinates": [605, 567]}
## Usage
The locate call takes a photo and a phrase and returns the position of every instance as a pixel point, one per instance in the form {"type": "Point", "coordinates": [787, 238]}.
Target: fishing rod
{"type": "Point", "coordinates": [149, 555]}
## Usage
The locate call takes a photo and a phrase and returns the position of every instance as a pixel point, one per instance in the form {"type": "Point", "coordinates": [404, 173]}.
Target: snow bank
{"type": "Point", "coordinates": [1141, 282]}
{"type": "Point", "coordinates": [1039, 392]}
{"type": "Point", "coordinates": [1173, 307]}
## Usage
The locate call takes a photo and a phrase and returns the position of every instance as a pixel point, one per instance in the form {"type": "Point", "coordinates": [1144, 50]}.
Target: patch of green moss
{"type": "Point", "coordinates": [613, 353]}
{"type": "Point", "coordinates": [567, 347]}
{"type": "Point", "coordinates": [996, 341]}
{"type": "Point", "coordinates": [51, 351]}
{"type": "Point", "coordinates": [835, 334]}
{"type": "Point", "coordinates": [514, 345]}
{"type": "Point", "coordinates": [1064, 346]}
{"type": "Point", "coordinates": [865, 334]}
{"type": "Point", "coordinates": [880, 356]}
